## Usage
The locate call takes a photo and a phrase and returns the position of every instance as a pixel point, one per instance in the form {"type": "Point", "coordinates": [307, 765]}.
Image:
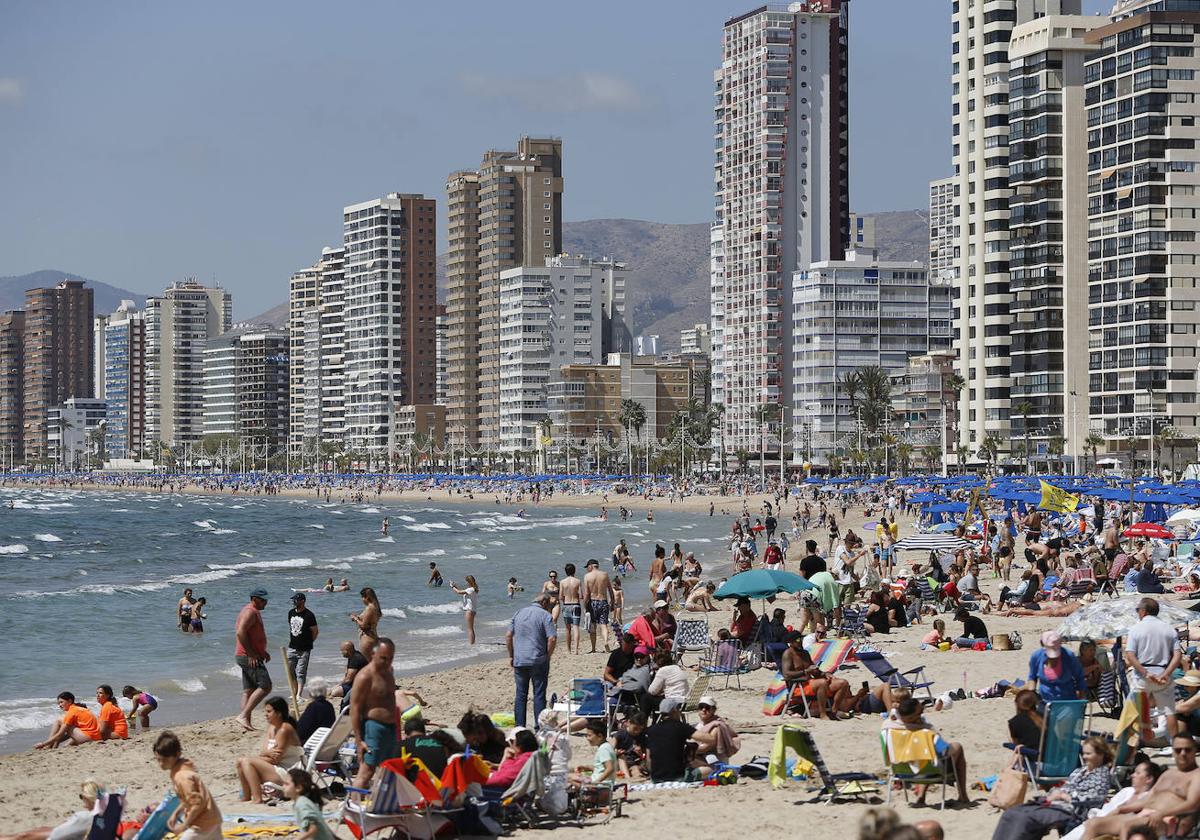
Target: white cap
{"type": "Point", "coordinates": [707, 700]}
{"type": "Point", "coordinates": [659, 603]}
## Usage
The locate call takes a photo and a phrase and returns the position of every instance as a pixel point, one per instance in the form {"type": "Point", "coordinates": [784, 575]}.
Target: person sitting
{"type": "Point", "coordinates": [798, 667]}
{"type": "Point", "coordinates": [877, 619]}
{"type": "Point", "coordinates": [318, 713]}
{"type": "Point", "coordinates": [935, 637]}
{"type": "Point", "coordinates": [522, 744]}
{"type": "Point", "coordinates": [619, 661]}
{"type": "Point", "coordinates": [974, 630]}
{"type": "Point", "coordinates": [771, 634]}
{"type": "Point", "coordinates": [630, 743]}
{"type": "Point", "coordinates": [662, 623]}
{"type": "Point", "coordinates": [1141, 782]}
{"type": "Point", "coordinates": [281, 750]}
{"type": "Point", "coordinates": [1187, 709]}
{"type": "Point", "coordinates": [668, 744]}
{"type": "Point", "coordinates": [907, 715]}
{"type": "Point", "coordinates": [1062, 807]}
{"type": "Point", "coordinates": [76, 827]}
{"type": "Point", "coordinates": [433, 748]}
{"type": "Point", "coordinates": [483, 736]}
{"type": "Point", "coordinates": [669, 681]}
{"type": "Point", "coordinates": [1025, 727]}
{"type": "Point", "coordinates": [1189, 586]}
{"type": "Point", "coordinates": [111, 719]}
{"type": "Point", "coordinates": [744, 622]}
{"type": "Point", "coordinates": [1175, 796]}
{"type": "Point", "coordinates": [1093, 669]}
{"type": "Point", "coordinates": [1147, 582]}
{"type": "Point", "coordinates": [714, 736]}
{"type": "Point", "coordinates": [77, 725]}
{"type": "Point", "coordinates": [700, 599]}
{"type": "Point", "coordinates": [1025, 594]}
{"type": "Point", "coordinates": [604, 765]}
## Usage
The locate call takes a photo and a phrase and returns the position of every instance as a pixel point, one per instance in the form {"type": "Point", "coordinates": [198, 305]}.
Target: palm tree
{"type": "Point", "coordinates": [633, 415]}
{"type": "Point", "coordinates": [743, 458]}
{"type": "Point", "coordinates": [1024, 409]}
{"type": "Point", "coordinates": [990, 448]}
{"type": "Point", "coordinates": [877, 396]}
{"type": "Point", "coordinates": [1057, 446]}
{"type": "Point", "coordinates": [961, 453]}
{"type": "Point", "coordinates": [931, 455]}
{"type": "Point", "coordinates": [890, 442]}
{"type": "Point", "coordinates": [1094, 442]}
{"type": "Point", "coordinates": [851, 386]}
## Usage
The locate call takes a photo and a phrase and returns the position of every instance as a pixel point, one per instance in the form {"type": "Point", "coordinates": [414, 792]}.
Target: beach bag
{"type": "Point", "coordinates": [1010, 788]}
{"type": "Point", "coordinates": [1014, 639]}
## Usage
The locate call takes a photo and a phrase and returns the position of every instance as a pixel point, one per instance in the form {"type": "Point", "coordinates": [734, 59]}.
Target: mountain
{"type": "Point", "coordinates": [108, 298]}
{"type": "Point", "coordinates": [668, 284]}
{"type": "Point", "coordinates": [276, 316]}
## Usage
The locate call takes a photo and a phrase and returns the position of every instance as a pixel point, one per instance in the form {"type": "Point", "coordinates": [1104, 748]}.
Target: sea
{"type": "Point", "coordinates": [89, 583]}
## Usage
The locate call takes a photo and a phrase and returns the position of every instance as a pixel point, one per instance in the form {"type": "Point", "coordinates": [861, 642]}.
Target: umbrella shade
{"type": "Point", "coordinates": [1184, 517]}
{"type": "Point", "coordinates": [1148, 529]}
{"type": "Point", "coordinates": [934, 542]}
{"type": "Point", "coordinates": [944, 527]}
{"type": "Point", "coordinates": [1111, 619]}
{"type": "Point", "coordinates": [761, 583]}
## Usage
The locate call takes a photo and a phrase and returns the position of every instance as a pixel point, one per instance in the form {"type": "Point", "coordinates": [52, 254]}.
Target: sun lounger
{"type": "Point", "coordinates": [698, 690]}
{"type": "Point", "coordinates": [323, 750]}
{"type": "Point", "coordinates": [833, 785]}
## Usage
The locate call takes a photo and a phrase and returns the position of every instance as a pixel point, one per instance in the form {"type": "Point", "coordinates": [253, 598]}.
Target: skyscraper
{"type": "Point", "coordinates": [59, 353]}
{"type": "Point", "coordinates": [304, 296]}
{"type": "Point", "coordinates": [246, 377]}
{"type": "Point", "coordinates": [123, 337]}
{"type": "Point", "coordinates": [390, 285]}
{"type": "Point", "coordinates": [507, 214]}
{"type": "Point", "coordinates": [326, 421]}
{"type": "Point", "coordinates": [12, 387]}
{"type": "Point", "coordinates": [443, 383]}
{"type": "Point", "coordinates": [782, 193]}
{"type": "Point", "coordinates": [980, 137]}
{"type": "Point", "coordinates": [943, 229]}
{"type": "Point", "coordinates": [179, 324]}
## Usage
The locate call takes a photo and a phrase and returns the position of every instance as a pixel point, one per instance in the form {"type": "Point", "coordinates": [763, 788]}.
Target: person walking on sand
{"type": "Point", "coordinates": [373, 712]}
{"type": "Point", "coordinates": [531, 639]}
{"type": "Point", "coordinates": [252, 656]}
{"type": "Point", "coordinates": [598, 596]}
{"type": "Point", "coordinates": [470, 604]}
{"type": "Point", "coordinates": [367, 620]}
{"type": "Point", "coordinates": [302, 635]}
{"type": "Point", "coordinates": [570, 593]}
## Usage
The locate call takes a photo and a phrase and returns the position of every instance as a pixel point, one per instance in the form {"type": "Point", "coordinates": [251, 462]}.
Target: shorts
{"type": "Point", "coordinates": [599, 611]}
{"type": "Point", "coordinates": [379, 740]}
{"type": "Point", "coordinates": [572, 613]}
{"type": "Point", "coordinates": [197, 625]}
{"type": "Point", "coordinates": [253, 678]}
{"type": "Point", "coordinates": [1164, 698]}
{"type": "Point", "coordinates": [809, 600]}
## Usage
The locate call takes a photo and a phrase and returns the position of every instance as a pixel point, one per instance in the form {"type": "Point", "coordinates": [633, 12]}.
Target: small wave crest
{"type": "Point", "coordinates": [430, 609]}
{"type": "Point", "coordinates": [47, 538]}
{"type": "Point", "coordinates": [297, 563]}
{"type": "Point", "coordinates": [445, 630]}
{"type": "Point", "coordinates": [427, 527]}
{"type": "Point", "coordinates": [16, 548]}
{"type": "Point", "coordinates": [394, 612]}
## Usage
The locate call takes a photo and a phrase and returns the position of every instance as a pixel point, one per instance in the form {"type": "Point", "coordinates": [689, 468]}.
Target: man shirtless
{"type": "Point", "coordinates": [797, 665]}
{"type": "Point", "coordinates": [658, 569]}
{"type": "Point", "coordinates": [598, 596]}
{"type": "Point", "coordinates": [1112, 543]}
{"type": "Point", "coordinates": [373, 712]}
{"type": "Point", "coordinates": [1176, 794]}
{"type": "Point", "coordinates": [570, 596]}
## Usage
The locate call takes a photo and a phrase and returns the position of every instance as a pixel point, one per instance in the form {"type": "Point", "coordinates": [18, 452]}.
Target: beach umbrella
{"type": "Point", "coordinates": [944, 527]}
{"type": "Point", "coordinates": [934, 542]}
{"type": "Point", "coordinates": [1113, 618]}
{"type": "Point", "coordinates": [761, 583]}
{"type": "Point", "coordinates": [1184, 517]}
{"type": "Point", "coordinates": [1148, 529]}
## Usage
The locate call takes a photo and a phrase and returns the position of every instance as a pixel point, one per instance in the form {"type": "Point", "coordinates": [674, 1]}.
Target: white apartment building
{"type": "Point", "coordinates": [121, 373]}
{"type": "Point", "coordinates": [179, 324]}
{"type": "Point", "coordinates": [781, 189]}
{"type": "Point", "coordinates": [246, 384]}
{"type": "Point", "coordinates": [304, 296]}
{"type": "Point", "coordinates": [943, 229]}
{"type": "Point", "coordinates": [75, 433]}
{"type": "Point", "coordinates": [443, 360]}
{"type": "Point", "coordinates": [856, 313]}
{"type": "Point", "coordinates": [325, 419]}
{"type": "Point", "coordinates": [569, 312]}
{"type": "Point", "coordinates": [696, 341]}
{"type": "Point", "coordinates": [979, 126]}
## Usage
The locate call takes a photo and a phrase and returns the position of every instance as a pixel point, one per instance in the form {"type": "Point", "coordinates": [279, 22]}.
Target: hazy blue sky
{"type": "Point", "coordinates": [142, 142]}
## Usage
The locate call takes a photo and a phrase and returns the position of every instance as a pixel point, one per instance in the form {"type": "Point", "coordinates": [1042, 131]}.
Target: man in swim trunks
{"type": "Point", "coordinates": [252, 656]}
{"type": "Point", "coordinates": [373, 712]}
{"type": "Point", "coordinates": [598, 594]}
{"type": "Point", "coordinates": [570, 596]}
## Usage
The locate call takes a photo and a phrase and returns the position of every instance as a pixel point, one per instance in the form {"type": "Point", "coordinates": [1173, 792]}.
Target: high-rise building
{"type": "Point", "coordinates": [943, 229]}
{"type": "Point", "coordinates": [855, 313]}
{"type": "Point", "coordinates": [782, 192]}
{"type": "Point", "coordinates": [1048, 232]}
{"type": "Point", "coordinates": [12, 388]}
{"type": "Point", "coordinates": [59, 353]}
{"type": "Point", "coordinates": [325, 420]}
{"type": "Point", "coordinates": [570, 311]}
{"type": "Point", "coordinates": [121, 344]}
{"type": "Point", "coordinates": [390, 287]}
{"type": "Point", "coordinates": [443, 379]}
{"type": "Point", "coordinates": [979, 132]}
{"type": "Point", "coordinates": [862, 233]}
{"type": "Point", "coordinates": [179, 325]}
{"type": "Point", "coordinates": [246, 377]}
{"type": "Point", "coordinates": [304, 296]}
{"type": "Point", "coordinates": [508, 214]}
{"type": "Point", "coordinates": [75, 433]}
{"type": "Point", "coordinates": [696, 341]}
{"type": "Point", "coordinates": [1143, 103]}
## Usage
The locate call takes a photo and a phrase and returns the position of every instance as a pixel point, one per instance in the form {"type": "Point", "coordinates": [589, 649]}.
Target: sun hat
{"type": "Point", "coordinates": [512, 733]}
{"type": "Point", "coordinates": [1052, 643]}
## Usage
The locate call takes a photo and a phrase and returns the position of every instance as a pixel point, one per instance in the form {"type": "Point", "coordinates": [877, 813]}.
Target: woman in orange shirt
{"type": "Point", "coordinates": [78, 725]}
{"type": "Point", "coordinates": [111, 719]}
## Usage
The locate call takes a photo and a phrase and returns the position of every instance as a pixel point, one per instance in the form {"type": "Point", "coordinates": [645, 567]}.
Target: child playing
{"type": "Point", "coordinates": [630, 743]}
{"type": "Point", "coordinates": [306, 800]}
{"type": "Point", "coordinates": [198, 615]}
{"type": "Point", "coordinates": [618, 605]}
{"type": "Point", "coordinates": [604, 766]}
{"type": "Point", "coordinates": [141, 704]}
{"type": "Point", "coordinates": [935, 636]}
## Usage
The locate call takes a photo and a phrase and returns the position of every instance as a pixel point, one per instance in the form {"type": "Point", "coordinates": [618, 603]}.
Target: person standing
{"type": "Point", "coordinates": [373, 712]}
{"type": "Point", "coordinates": [1056, 673]}
{"type": "Point", "coordinates": [598, 597]}
{"type": "Point", "coordinates": [1152, 654]}
{"type": "Point", "coordinates": [302, 634]}
{"type": "Point", "coordinates": [367, 620]}
{"type": "Point", "coordinates": [570, 594]}
{"type": "Point", "coordinates": [184, 608]}
{"type": "Point", "coordinates": [198, 817]}
{"type": "Point", "coordinates": [532, 636]}
{"type": "Point", "coordinates": [470, 604]}
{"type": "Point", "coordinates": [252, 656]}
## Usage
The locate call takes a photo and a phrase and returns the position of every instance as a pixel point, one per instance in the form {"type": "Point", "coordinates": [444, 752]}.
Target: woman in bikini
{"type": "Point", "coordinates": [551, 587]}
{"type": "Point", "coordinates": [367, 620]}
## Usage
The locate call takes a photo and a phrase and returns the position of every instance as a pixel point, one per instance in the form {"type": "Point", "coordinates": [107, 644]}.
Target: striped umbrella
{"type": "Point", "coordinates": [934, 542]}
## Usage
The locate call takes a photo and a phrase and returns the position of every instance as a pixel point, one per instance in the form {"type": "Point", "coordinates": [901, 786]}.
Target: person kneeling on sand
{"type": "Point", "coordinates": [908, 716]}
{"type": "Point", "coordinates": [198, 817]}
{"type": "Point", "coordinates": [700, 599]}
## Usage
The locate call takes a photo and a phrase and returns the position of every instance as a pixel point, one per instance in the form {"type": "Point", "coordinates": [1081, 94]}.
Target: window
{"type": "Point", "coordinates": [546, 194]}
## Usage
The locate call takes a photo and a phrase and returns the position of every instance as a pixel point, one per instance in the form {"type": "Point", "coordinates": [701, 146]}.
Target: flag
{"type": "Point", "coordinates": [1057, 499]}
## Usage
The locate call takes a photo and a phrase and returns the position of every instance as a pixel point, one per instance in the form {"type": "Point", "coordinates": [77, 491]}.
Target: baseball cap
{"type": "Point", "coordinates": [641, 650]}
{"type": "Point", "coordinates": [592, 562]}
{"type": "Point", "coordinates": [259, 593]}
{"type": "Point", "coordinates": [299, 596]}
{"type": "Point", "coordinates": [792, 635]}
{"type": "Point", "coordinates": [1052, 642]}
{"type": "Point", "coordinates": [659, 604]}
{"type": "Point", "coordinates": [670, 704]}
{"type": "Point", "coordinates": [707, 700]}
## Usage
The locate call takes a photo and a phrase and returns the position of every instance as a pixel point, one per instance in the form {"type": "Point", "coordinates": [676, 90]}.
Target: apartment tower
{"type": "Point", "coordinates": [325, 406]}
{"type": "Point", "coordinates": [981, 30]}
{"type": "Point", "coordinates": [59, 354]}
{"type": "Point", "coordinates": [179, 324]}
{"type": "Point", "coordinates": [246, 379]}
{"type": "Point", "coordinates": [304, 294]}
{"type": "Point", "coordinates": [12, 387]}
{"type": "Point", "coordinates": [782, 193]}
{"type": "Point", "coordinates": [390, 288]}
{"type": "Point", "coordinates": [123, 373]}
{"type": "Point", "coordinates": [505, 215]}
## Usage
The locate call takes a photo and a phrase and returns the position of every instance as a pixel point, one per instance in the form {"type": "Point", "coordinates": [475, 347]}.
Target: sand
{"type": "Point", "coordinates": [39, 788]}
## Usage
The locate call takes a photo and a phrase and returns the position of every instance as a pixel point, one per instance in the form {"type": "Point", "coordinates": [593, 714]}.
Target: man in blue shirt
{"type": "Point", "coordinates": [1057, 672]}
{"type": "Point", "coordinates": [531, 639]}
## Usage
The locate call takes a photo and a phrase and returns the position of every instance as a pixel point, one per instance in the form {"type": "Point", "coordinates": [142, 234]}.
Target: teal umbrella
{"type": "Point", "coordinates": [761, 583]}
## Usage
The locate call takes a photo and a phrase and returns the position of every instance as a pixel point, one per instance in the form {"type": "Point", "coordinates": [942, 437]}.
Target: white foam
{"type": "Point", "coordinates": [394, 612]}
{"type": "Point", "coordinates": [426, 527]}
{"type": "Point", "coordinates": [39, 714]}
{"type": "Point", "coordinates": [204, 577]}
{"type": "Point", "coordinates": [473, 557]}
{"type": "Point", "coordinates": [318, 527]}
{"type": "Point", "coordinates": [433, 552]}
{"type": "Point", "coordinates": [339, 567]}
{"type": "Point", "coordinates": [298, 563]}
{"type": "Point", "coordinates": [190, 685]}
{"type": "Point", "coordinates": [17, 548]}
{"type": "Point", "coordinates": [430, 609]}
{"type": "Point", "coordinates": [204, 523]}
{"type": "Point", "coordinates": [446, 630]}
{"type": "Point", "coordinates": [47, 538]}
{"type": "Point", "coordinates": [370, 510]}
{"type": "Point", "coordinates": [406, 518]}
{"type": "Point", "coordinates": [222, 531]}
{"type": "Point", "coordinates": [387, 539]}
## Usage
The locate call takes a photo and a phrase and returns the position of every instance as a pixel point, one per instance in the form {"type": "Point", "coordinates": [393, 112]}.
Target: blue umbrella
{"type": "Point", "coordinates": [761, 583]}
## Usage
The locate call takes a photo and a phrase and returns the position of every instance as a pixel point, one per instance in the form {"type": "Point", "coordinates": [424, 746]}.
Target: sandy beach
{"type": "Point", "coordinates": [38, 788]}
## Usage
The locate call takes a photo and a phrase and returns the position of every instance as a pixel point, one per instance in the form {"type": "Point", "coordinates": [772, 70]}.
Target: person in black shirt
{"type": "Point", "coordinates": [434, 749]}
{"type": "Point", "coordinates": [302, 633]}
{"type": "Point", "coordinates": [974, 630]}
{"type": "Point", "coordinates": [1025, 727]}
{"type": "Point", "coordinates": [619, 661]}
{"type": "Point", "coordinates": [316, 714]}
{"type": "Point", "coordinates": [667, 746]}
{"type": "Point", "coordinates": [630, 743]}
{"type": "Point", "coordinates": [355, 661]}
{"type": "Point", "coordinates": [812, 562]}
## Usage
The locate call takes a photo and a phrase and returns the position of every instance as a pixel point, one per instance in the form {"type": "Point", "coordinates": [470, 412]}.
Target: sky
{"type": "Point", "coordinates": [145, 142]}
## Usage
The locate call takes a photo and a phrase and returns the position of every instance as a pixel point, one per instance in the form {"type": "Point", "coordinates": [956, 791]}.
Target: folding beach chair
{"type": "Point", "coordinates": [831, 654]}
{"type": "Point", "coordinates": [518, 805]}
{"type": "Point", "coordinates": [698, 690]}
{"type": "Point", "coordinates": [924, 593]}
{"type": "Point", "coordinates": [913, 679]}
{"type": "Point", "coordinates": [1058, 753]}
{"type": "Point", "coordinates": [587, 698]}
{"type": "Point", "coordinates": [912, 759]}
{"type": "Point", "coordinates": [724, 659]}
{"type": "Point", "coordinates": [107, 820]}
{"type": "Point", "coordinates": [853, 623]}
{"type": "Point", "coordinates": [323, 755]}
{"type": "Point", "coordinates": [833, 785]}
{"type": "Point", "coordinates": [401, 799]}
{"type": "Point", "coordinates": [691, 636]}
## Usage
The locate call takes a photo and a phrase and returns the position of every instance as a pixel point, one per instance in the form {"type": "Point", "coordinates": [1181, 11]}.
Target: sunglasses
{"type": "Point", "coordinates": [1183, 749]}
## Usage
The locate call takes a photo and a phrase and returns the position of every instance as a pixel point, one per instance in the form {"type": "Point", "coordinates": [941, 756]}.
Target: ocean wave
{"type": "Point", "coordinates": [394, 612]}
{"type": "Point", "coordinates": [40, 714]}
{"type": "Point", "coordinates": [318, 527]}
{"type": "Point", "coordinates": [445, 630]}
{"type": "Point", "coordinates": [204, 577]}
{"type": "Point", "coordinates": [430, 609]}
{"type": "Point", "coordinates": [433, 552]}
{"type": "Point", "coordinates": [473, 557]}
{"type": "Point", "coordinates": [298, 563]}
{"type": "Point", "coordinates": [337, 567]}
{"type": "Point", "coordinates": [371, 510]}
{"type": "Point", "coordinates": [47, 538]}
{"type": "Point", "coordinates": [222, 531]}
{"type": "Point", "coordinates": [204, 523]}
{"type": "Point", "coordinates": [426, 527]}
{"type": "Point", "coordinates": [17, 548]}
{"type": "Point", "coordinates": [388, 539]}
{"type": "Point", "coordinates": [403, 518]}
{"type": "Point", "coordinates": [190, 685]}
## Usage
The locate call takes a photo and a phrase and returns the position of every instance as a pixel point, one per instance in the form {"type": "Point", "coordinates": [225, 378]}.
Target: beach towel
{"type": "Point", "coordinates": [666, 785]}
{"type": "Point", "coordinates": [831, 654]}
{"type": "Point", "coordinates": [463, 770]}
{"type": "Point", "coordinates": [911, 747]}
{"type": "Point", "coordinates": [1135, 718]}
{"type": "Point", "coordinates": [776, 696]}
{"type": "Point", "coordinates": [786, 737]}
{"type": "Point", "coordinates": [727, 741]}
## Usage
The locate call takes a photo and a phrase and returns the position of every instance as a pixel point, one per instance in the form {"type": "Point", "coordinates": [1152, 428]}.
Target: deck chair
{"type": "Point", "coordinates": [1058, 753]}
{"type": "Point", "coordinates": [724, 659]}
{"type": "Point", "coordinates": [518, 804]}
{"type": "Point", "coordinates": [691, 636]}
{"type": "Point", "coordinates": [699, 689]}
{"type": "Point", "coordinates": [912, 759]}
{"type": "Point", "coordinates": [925, 593]}
{"type": "Point", "coordinates": [853, 623]}
{"type": "Point", "coordinates": [833, 785]}
{"type": "Point", "coordinates": [322, 750]}
{"type": "Point", "coordinates": [397, 803]}
{"type": "Point", "coordinates": [587, 698]}
{"type": "Point", "coordinates": [831, 654]}
{"type": "Point", "coordinates": [913, 679]}
{"type": "Point", "coordinates": [107, 820]}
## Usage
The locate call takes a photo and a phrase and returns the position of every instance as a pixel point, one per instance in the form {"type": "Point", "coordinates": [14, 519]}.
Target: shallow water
{"type": "Point", "coordinates": [89, 582]}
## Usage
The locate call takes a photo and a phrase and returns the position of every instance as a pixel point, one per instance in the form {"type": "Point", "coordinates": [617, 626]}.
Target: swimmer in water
{"type": "Point", "coordinates": [328, 587]}
{"type": "Point", "coordinates": [344, 586]}
{"type": "Point", "coordinates": [521, 513]}
{"type": "Point", "coordinates": [514, 587]}
{"type": "Point", "coordinates": [649, 516]}
{"type": "Point", "coordinates": [435, 575]}
{"type": "Point", "coordinates": [387, 525]}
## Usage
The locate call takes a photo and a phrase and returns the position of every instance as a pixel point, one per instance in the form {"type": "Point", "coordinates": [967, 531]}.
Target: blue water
{"type": "Point", "coordinates": [89, 583]}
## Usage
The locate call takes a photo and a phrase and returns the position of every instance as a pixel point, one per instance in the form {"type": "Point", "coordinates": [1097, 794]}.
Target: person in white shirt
{"type": "Point", "coordinates": [1152, 653]}
{"type": "Point", "coordinates": [669, 681]}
